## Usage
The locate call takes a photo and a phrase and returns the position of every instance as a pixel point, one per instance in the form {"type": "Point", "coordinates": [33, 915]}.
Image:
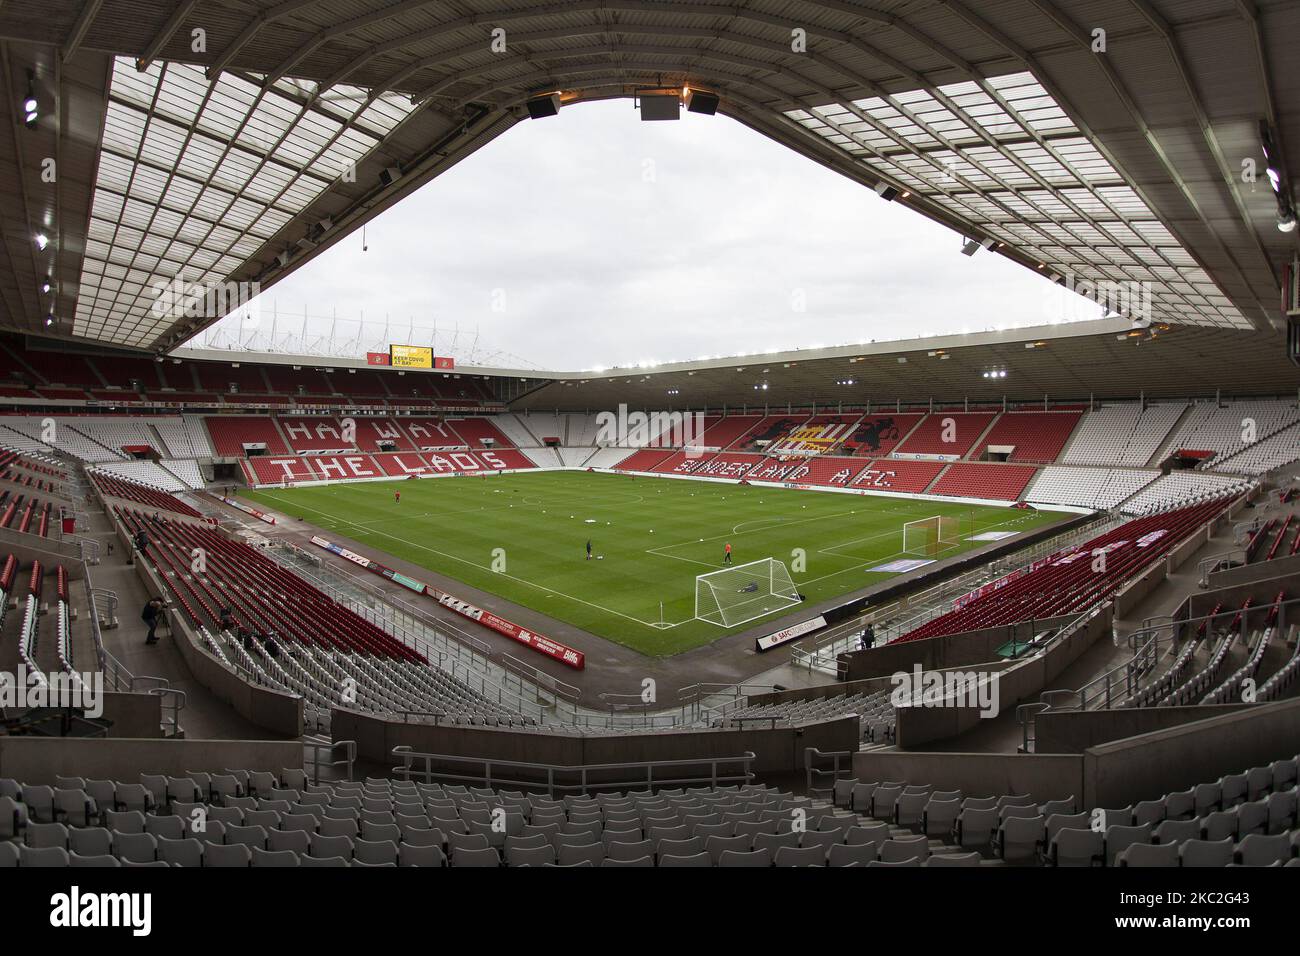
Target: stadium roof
{"type": "Point", "coordinates": [225, 154]}
{"type": "Point", "coordinates": [1102, 359]}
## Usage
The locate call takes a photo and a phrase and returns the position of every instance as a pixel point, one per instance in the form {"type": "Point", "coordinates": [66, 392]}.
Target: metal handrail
{"type": "Point", "coordinates": [116, 676]}
{"type": "Point", "coordinates": [584, 772]}
{"type": "Point", "coordinates": [444, 662]}
{"type": "Point", "coordinates": [1207, 565]}
{"type": "Point", "coordinates": [1143, 660]}
{"type": "Point", "coordinates": [177, 700]}
{"type": "Point", "coordinates": [315, 745]}
{"type": "Point", "coordinates": [406, 715]}
{"type": "Point", "coordinates": [1025, 714]}
{"type": "Point", "coordinates": [812, 753]}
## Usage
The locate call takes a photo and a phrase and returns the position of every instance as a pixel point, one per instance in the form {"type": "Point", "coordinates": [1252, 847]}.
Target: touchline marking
{"type": "Point", "coordinates": [453, 557]}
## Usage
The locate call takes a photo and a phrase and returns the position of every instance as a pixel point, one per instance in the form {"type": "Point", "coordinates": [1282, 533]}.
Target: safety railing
{"type": "Point", "coordinates": [314, 746]}
{"type": "Point", "coordinates": [116, 676]}
{"type": "Point", "coordinates": [1025, 714]}
{"type": "Point", "coordinates": [578, 778]}
{"type": "Point", "coordinates": [172, 701]}
{"type": "Point", "coordinates": [89, 548]}
{"type": "Point", "coordinates": [1219, 562]}
{"type": "Point", "coordinates": [731, 697]}
{"type": "Point", "coordinates": [424, 635]}
{"type": "Point", "coordinates": [457, 643]}
{"type": "Point", "coordinates": [1124, 681]}
{"type": "Point", "coordinates": [841, 766]}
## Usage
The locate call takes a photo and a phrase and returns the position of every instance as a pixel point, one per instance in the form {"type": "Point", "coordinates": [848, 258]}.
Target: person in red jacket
{"type": "Point", "coordinates": [397, 497]}
{"type": "Point", "coordinates": [726, 553]}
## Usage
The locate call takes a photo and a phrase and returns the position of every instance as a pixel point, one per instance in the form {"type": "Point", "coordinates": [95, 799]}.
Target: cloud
{"type": "Point", "coordinates": [595, 239]}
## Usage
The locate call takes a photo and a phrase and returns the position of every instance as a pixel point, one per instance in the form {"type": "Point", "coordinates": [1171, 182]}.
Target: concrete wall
{"type": "Point", "coordinates": [1114, 774]}
{"type": "Point", "coordinates": [133, 715]}
{"type": "Point", "coordinates": [870, 685]}
{"type": "Point", "coordinates": [39, 760]}
{"type": "Point", "coordinates": [1075, 732]}
{"type": "Point", "coordinates": [937, 653]}
{"type": "Point", "coordinates": [276, 711]}
{"type": "Point", "coordinates": [1234, 595]}
{"type": "Point", "coordinates": [1019, 683]}
{"type": "Point", "coordinates": [778, 750]}
{"type": "Point", "coordinates": [1046, 776]}
{"type": "Point", "coordinates": [1151, 764]}
{"type": "Point", "coordinates": [1259, 571]}
{"type": "Point", "coordinates": [49, 551]}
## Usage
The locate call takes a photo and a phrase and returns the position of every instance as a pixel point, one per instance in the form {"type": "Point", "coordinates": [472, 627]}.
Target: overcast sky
{"type": "Point", "coordinates": [593, 239]}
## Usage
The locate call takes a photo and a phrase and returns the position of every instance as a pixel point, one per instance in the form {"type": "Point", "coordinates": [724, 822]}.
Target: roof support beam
{"type": "Point", "coordinates": [80, 28]}
{"type": "Point", "coordinates": [150, 53]}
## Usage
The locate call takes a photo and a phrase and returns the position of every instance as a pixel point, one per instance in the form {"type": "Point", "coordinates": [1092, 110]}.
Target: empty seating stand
{"type": "Point", "coordinates": [1066, 583]}
{"type": "Point", "coordinates": [119, 487]}
{"type": "Point", "coordinates": [946, 433]}
{"type": "Point", "coordinates": [281, 819]}
{"type": "Point", "coordinates": [969, 479]}
{"type": "Point", "coordinates": [1035, 436]}
{"type": "Point", "coordinates": [265, 597]}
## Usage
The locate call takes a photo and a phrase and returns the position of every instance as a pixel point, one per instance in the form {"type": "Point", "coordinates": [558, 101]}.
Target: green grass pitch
{"type": "Point", "coordinates": [652, 536]}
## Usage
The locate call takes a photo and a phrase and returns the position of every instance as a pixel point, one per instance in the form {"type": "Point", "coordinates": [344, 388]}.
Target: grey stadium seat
{"type": "Point", "coordinates": [412, 855]}
{"type": "Point", "coordinates": [374, 851]}
{"type": "Point", "coordinates": [755, 858]}
{"type": "Point", "coordinates": [1259, 850]}
{"type": "Point", "coordinates": [224, 857]}
{"type": "Point", "coordinates": [1076, 847]}
{"type": "Point", "coordinates": [904, 848]}
{"type": "Point", "coordinates": [90, 841]}
{"type": "Point", "coordinates": [46, 834]}
{"type": "Point", "coordinates": [481, 857]}
{"type": "Point", "coordinates": [274, 858]}
{"type": "Point", "coordinates": [323, 846]}
{"type": "Point", "coordinates": [184, 852]}
{"type": "Point", "coordinates": [46, 857]}
{"type": "Point", "coordinates": [1119, 839]}
{"type": "Point", "coordinates": [135, 847]}
{"type": "Point", "coordinates": [843, 854]}
{"type": "Point", "coordinates": [1204, 853]}
{"type": "Point", "coordinates": [800, 856]}
{"type": "Point", "coordinates": [1149, 854]}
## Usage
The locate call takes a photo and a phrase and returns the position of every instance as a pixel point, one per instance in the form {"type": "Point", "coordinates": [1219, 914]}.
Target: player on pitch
{"type": "Point", "coordinates": [726, 553]}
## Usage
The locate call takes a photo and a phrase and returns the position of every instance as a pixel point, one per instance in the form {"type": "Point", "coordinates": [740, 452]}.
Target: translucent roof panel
{"type": "Point", "coordinates": [196, 175]}
{"type": "Point", "coordinates": [1002, 155]}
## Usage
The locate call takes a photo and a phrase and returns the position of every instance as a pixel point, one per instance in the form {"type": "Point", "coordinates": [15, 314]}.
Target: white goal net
{"type": "Point", "coordinates": [931, 536]}
{"type": "Point", "coordinates": [745, 592]}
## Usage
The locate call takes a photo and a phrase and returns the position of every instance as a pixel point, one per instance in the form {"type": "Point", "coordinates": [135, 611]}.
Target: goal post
{"type": "Point", "coordinates": [931, 536]}
{"type": "Point", "coordinates": [745, 592]}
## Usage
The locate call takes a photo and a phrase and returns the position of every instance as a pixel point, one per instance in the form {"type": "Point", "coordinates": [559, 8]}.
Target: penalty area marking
{"type": "Point", "coordinates": [540, 587]}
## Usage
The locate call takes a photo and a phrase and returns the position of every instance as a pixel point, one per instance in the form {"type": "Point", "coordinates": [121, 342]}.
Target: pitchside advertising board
{"type": "Point", "coordinates": [543, 645]}
{"type": "Point", "coordinates": [410, 356]}
{"type": "Point", "coordinates": [788, 634]}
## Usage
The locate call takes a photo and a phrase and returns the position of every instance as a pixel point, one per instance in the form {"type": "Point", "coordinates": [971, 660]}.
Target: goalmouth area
{"type": "Point", "coordinates": [524, 537]}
